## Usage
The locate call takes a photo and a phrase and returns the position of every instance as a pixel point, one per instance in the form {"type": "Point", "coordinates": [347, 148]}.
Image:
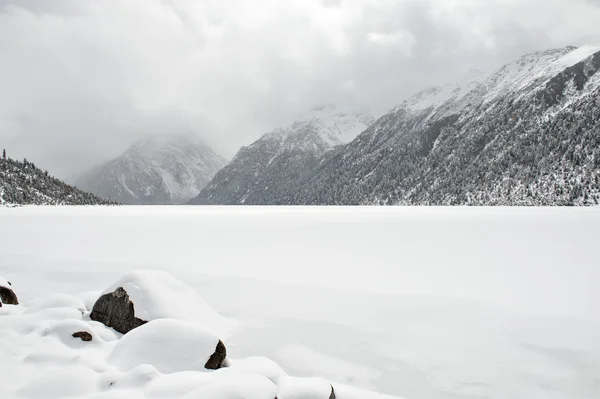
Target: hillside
{"type": "Point", "coordinates": [275, 163]}
{"type": "Point", "coordinates": [22, 183]}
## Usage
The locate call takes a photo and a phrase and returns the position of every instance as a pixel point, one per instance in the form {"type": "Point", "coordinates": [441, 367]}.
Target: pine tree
{"type": "Point", "coordinates": [4, 153]}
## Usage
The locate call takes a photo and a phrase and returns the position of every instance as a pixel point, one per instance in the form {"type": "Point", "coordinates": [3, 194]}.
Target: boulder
{"type": "Point", "coordinates": [83, 335]}
{"type": "Point", "coordinates": [216, 360]}
{"type": "Point", "coordinates": [7, 295]}
{"type": "Point", "coordinates": [117, 311]}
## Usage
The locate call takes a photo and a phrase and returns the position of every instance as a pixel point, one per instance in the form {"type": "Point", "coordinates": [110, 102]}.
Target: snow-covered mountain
{"type": "Point", "coordinates": [169, 169]}
{"type": "Point", "coordinates": [283, 157]}
{"type": "Point", "coordinates": [527, 134]}
{"type": "Point", "coordinates": [22, 183]}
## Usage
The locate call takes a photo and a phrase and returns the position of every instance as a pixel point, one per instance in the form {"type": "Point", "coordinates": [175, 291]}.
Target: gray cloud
{"type": "Point", "coordinates": [80, 80]}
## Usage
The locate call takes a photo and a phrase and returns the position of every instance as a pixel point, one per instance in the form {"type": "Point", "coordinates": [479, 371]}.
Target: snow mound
{"type": "Point", "coordinates": [259, 365]}
{"type": "Point", "coordinates": [169, 345]}
{"type": "Point", "coordinates": [159, 295]}
{"type": "Point", "coordinates": [304, 388]}
{"type": "Point", "coordinates": [58, 383]}
{"type": "Point", "coordinates": [236, 387]}
{"type": "Point", "coordinates": [56, 301]}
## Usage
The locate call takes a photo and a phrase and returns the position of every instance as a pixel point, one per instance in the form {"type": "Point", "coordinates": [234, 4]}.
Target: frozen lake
{"type": "Point", "coordinates": [415, 302]}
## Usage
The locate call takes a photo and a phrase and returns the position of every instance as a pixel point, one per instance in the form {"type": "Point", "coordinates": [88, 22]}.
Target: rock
{"type": "Point", "coordinates": [84, 335]}
{"type": "Point", "coordinates": [7, 296]}
{"type": "Point", "coordinates": [117, 311]}
{"type": "Point", "coordinates": [218, 358]}
{"type": "Point", "coordinates": [332, 396]}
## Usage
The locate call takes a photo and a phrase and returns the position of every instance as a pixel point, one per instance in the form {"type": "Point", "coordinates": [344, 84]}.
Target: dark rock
{"type": "Point", "coordinates": [8, 296]}
{"type": "Point", "coordinates": [218, 358]}
{"type": "Point", "coordinates": [332, 396]}
{"type": "Point", "coordinates": [84, 335]}
{"type": "Point", "coordinates": [117, 311]}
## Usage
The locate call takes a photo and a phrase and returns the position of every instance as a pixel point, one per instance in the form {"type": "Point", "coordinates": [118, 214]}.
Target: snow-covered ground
{"type": "Point", "coordinates": [415, 302]}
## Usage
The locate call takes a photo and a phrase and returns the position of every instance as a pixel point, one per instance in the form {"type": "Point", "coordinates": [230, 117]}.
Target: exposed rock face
{"type": "Point", "coordinates": [84, 335]}
{"type": "Point", "coordinates": [332, 396]}
{"type": "Point", "coordinates": [117, 311]}
{"type": "Point", "coordinates": [218, 358]}
{"type": "Point", "coordinates": [8, 296]}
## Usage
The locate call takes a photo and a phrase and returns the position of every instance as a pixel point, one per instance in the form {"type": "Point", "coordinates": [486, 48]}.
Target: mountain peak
{"type": "Point", "coordinates": [156, 169]}
{"type": "Point", "coordinates": [292, 150]}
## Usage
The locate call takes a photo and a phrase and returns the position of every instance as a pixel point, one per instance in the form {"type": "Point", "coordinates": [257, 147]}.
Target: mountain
{"type": "Point", "coordinates": [168, 169]}
{"type": "Point", "coordinates": [527, 134]}
{"type": "Point", "coordinates": [22, 183]}
{"type": "Point", "coordinates": [280, 159]}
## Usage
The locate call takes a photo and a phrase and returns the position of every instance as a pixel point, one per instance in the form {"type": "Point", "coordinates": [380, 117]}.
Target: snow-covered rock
{"type": "Point", "coordinates": [169, 169]}
{"type": "Point", "coordinates": [158, 295]}
{"type": "Point", "coordinates": [169, 345]}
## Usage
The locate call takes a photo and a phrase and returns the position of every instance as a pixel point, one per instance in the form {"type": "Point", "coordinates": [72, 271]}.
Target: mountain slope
{"type": "Point", "coordinates": [261, 172]}
{"type": "Point", "coordinates": [22, 183]}
{"type": "Point", "coordinates": [528, 134]}
{"type": "Point", "coordinates": [155, 170]}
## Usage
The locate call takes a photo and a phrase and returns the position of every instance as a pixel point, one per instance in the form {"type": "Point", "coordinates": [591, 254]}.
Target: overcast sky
{"type": "Point", "coordinates": [81, 79]}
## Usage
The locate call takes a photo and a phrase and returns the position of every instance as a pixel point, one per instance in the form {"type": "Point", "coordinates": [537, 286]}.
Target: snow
{"type": "Point", "coordinates": [236, 387]}
{"type": "Point", "coordinates": [4, 283]}
{"type": "Point", "coordinates": [157, 295]}
{"type": "Point", "coordinates": [428, 303]}
{"type": "Point", "coordinates": [307, 361]}
{"type": "Point", "coordinates": [477, 87]}
{"type": "Point", "coordinates": [259, 365]}
{"type": "Point", "coordinates": [167, 344]}
{"type": "Point", "coordinates": [321, 129]}
{"type": "Point", "coordinates": [434, 97]}
{"type": "Point", "coordinates": [304, 388]}
{"type": "Point", "coordinates": [577, 55]}
{"type": "Point", "coordinates": [162, 358]}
